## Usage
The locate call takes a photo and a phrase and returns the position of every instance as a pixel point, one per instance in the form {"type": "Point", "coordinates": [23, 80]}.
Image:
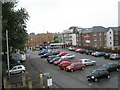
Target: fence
{"type": "Point", "coordinates": [24, 81]}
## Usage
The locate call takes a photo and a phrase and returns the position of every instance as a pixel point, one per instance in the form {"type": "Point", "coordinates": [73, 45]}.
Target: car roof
{"type": "Point", "coordinates": [84, 59]}
{"type": "Point", "coordinates": [18, 66]}
{"type": "Point", "coordinates": [77, 63]}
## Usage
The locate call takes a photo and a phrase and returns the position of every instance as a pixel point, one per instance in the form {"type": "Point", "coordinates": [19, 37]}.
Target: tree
{"type": "Point", "coordinates": [15, 22]}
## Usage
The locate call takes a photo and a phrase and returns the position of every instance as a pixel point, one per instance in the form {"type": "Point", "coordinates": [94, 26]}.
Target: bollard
{"type": "Point", "coordinates": [41, 80]}
{"type": "Point", "coordinates": [29, 83]}
{"type": "Point", "coordinates": [24, 79]}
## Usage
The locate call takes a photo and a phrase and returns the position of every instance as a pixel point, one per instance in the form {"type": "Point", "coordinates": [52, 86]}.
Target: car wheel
{"type": "Point", "coordinates": [108, 76]}
{"type": "Point", "coordinates": [71, 70]}
{"type": "Point", "coordinates": [64, 68]}
{"type": "Point", "coordinates": [94, 64]}
{"type": "Point", "coordinates": [83, 68]}
{"type": "Point", "coordinates": [96, 79]}
{"type": "Point", "coordinates": [22, 71]}
{"type": "Point", "coordinates": [117, 69]}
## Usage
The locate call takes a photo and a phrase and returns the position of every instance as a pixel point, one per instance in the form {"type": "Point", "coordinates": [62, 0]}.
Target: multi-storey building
{"type": "Point", "coordinates": [96, 36]}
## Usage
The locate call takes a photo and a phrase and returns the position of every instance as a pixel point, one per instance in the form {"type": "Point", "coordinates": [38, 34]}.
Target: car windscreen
{"type": "Point", "coordinates": [95, 71]}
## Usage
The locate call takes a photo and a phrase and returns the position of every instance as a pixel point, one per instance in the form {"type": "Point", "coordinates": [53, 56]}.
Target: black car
{"type": "Point", "coordinates": [111, 67]}
{"type": "Point", "coordinates": [107, 55]}
{"type": "Point", "coordinates": [46, 55]}
{"type": "Point", "coordinates": [51, 61]}
{"type": "Point", "coordinates": [98, 74]}
{"type": "Point", "coordinates": [89, 52]}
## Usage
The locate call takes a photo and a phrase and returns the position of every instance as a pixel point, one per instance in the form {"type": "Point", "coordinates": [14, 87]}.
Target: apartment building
{"type": "Point", "coordinates": [97, 36]}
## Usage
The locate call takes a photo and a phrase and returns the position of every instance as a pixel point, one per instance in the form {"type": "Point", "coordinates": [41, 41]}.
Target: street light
{"type": "Point", "coordinates": [7, 52]}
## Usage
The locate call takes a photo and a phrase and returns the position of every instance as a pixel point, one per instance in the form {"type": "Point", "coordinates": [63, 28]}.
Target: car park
{"type": "Point", "coordinates": [111, 67]}
{"type": "Point", "coordinates": [46, 55]}
{"type": "Point", "coordinates": [75, 66]}
{"type": "Point", "coordinates": [64, 64]}
{"type": "Point", "coordinates": [87, 62]}
{"type": "Point", "coordinates": [71, 56]}
{"type": "Point", "coordinates": [114, 57]}
{"type": "Point", "coordinates": [60, 60]}
{"type": "Point", "coordinates": [99, 54]}
{"type": "Point", "coordinates": [107, 55]}
{"type": "Point", "coordinates": [17, 69]}
{"type": "Point", "coordinates": [98, 74]}
{"type": "Point", "coordinates": [62, 54]}
{"type": "Point", "coordinates": [53, 60]}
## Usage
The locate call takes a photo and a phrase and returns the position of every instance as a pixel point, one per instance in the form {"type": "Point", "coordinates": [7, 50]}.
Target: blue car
{"type": "Point", "coordinates": [54, 59]}
{"type": "Point", "coordinates": [42, 53]}
{"type": "Point", "coordinates": [99, 54]}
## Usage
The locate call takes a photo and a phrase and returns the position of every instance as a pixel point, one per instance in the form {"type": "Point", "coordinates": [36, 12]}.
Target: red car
{"type": "Point", "coordinates": [60, 60]}
{"type": "Point", "coordinates": [64, 64]}
{"type": "Point", "coordinates": [62, 54]}
{"type": "Point", "coordinates": [74, 49]}
{"type": "Point", "coordinates": [75, 66]}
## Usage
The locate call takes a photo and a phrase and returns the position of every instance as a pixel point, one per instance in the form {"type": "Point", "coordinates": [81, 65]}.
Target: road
{"type": "Point", "coordinates": [76, 79]}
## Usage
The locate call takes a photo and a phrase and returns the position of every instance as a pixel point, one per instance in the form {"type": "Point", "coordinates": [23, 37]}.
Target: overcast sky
{"type": "Point", "coordinates": [59, 15]}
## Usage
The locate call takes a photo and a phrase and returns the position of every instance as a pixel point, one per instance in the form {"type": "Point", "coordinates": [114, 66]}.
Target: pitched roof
{"type": "Point", "coordinates": [115, 29]}
{"type": "Point", "coordinates": [99, 29]}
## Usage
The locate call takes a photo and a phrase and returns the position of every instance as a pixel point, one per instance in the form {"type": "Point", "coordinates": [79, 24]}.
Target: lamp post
{"type": "Point", "coordinates": [7, 52]}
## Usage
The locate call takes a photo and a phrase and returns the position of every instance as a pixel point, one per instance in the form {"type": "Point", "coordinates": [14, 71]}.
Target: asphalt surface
{"type": "Point", "coordinates": [76, 79]}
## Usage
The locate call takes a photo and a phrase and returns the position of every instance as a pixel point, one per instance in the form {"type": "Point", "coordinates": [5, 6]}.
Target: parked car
{"type": "Point", "coordinates": [71, 56]}
{"type": "Point", "coordinates": [55, 53]}
{"type": "Point", "coordinates": [114, 57]}
{"type": "Point", "coordinates": [107, 55]}
{"type": "Point", "coordinates": [89, 52]}
{"type": "Point", "coordinates": [98, 74]}
{"type": "Point", "coordinates": [70, 48]}
{"type": "Point", "coordinates": [98, 54]}
{"type": "Point", "coordinates": [111, 67]}
{"type": "Point", "coordinates": [42, 52]}
{"type": "Point", "coordinates": [60, 60]}
{"type": "Point", "coordinates": [64, 64]}
{"type": "Point", "coordinates": [74, 49]}
{"type": "Point", "coordinates": [53, 60]}
{"type": "Point", "coordinates": [62, 54]}
{"type": "Point", "coordinates": [78, 50]}
{"type": "Point", "coordinates": [46, 55]}
{"type": "Point", "coordinates": [51, 57]}
{"type": "Point", "coordinates": [82, 51]}
{"type": "Point", "coordinates": [75, 66]}
{"type": "Point", "coordinates": [17, 69]}
{"type": "Point", "coordinates": [87, 62]}
{"type": "Point", "coordinates": [94, 53]}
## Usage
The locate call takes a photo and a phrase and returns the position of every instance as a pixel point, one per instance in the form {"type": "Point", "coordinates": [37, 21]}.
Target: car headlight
{"type": "Point", "coordinates": [92, 77]}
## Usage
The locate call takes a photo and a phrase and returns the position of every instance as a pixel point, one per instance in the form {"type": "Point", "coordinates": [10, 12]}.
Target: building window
{"type": "Point", "coordinates": [100, 39]}
{"type": "Point", "coordinates": [110, 32]}
{"type": "Point", "coordinates": [95, 39]}
{"type": "Point", "coordinates": [110, 42]}
{"type": "Point", "coordinates": [100, 33]}
{"type": "Point", "coordinates": [95, 34]}
{"type": "Point", "coordinates": [99, 44]}
{"type": "Point", "coordinates": [110, 38]}
{"type": "Point", "coordinates": [95, 45]}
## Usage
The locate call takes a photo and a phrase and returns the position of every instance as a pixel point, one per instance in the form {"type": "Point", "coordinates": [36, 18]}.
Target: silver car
{"type": "Point", "coordinates": [87, 62]}
{"type": "Point", "coordinates": [17, 69]}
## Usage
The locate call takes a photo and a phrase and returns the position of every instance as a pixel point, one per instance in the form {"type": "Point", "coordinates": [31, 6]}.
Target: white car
{"type": "Point", "coordinates": [87, 62]}
{"type": "Point", "coordinates": [94, 53]}
{"type": "Point", "coordinates": [17, 69]}
{"type": "Point", "coordinates": [71, 56]}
